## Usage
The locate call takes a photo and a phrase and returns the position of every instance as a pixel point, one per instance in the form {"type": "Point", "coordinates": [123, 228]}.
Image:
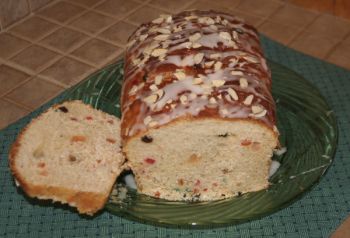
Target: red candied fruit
{"type": "Point", "coordinates": [110, 122]}
{"type": "Point", "coordinates": [150, 160]}
{"type": "Point", "coordinates": [245, 142]}
{"type": "Point", "coordinates": [157, 194]}
{"type": "Point", "coordinates": [88, 118]}
{"type": "Point", "coordinates": [198, 182]}
{"type": "Point", "coordinates": [41, 165]}
{"type": "Point", "coordinates": [205, 189]}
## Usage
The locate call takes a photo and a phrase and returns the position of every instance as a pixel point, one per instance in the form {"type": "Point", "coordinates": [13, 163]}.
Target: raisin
{"type": "Point", "coordinates": [78, 139]}
{"type": "Point", "coordinates": [245, 142]}
{"type": "Point", "coordinates": [150, 161]}
{"type": "Point", "coordinates": [223, 135]}
{"type": "Point", "coordinates": [239, 30]}
{"type": "Point", "coordinates": [72, 158]}
{"type": "Point", "coordinates": [41, 165]}
{"type": "Point", "coordinates": [63, 109]}
{"type": "Point", "coordinates": [74, 119]}
{"type": "Point", "coordinates": [147, 139]}
{"type": "Point", "coordinates": [110, 122]}
{"type": "Point", "coordinates": [224, 171]}
{"type": "Point", "coordinates": [223, 195]}
{"type": "Point", "coordinates": [88, 118]}
{"type": "Point", "coordinates": [239, 194]}
{"type": "Point", "coordinates": [198, 182]}
{"type": "Point", "coordinates": [205, 189]}
{"type": "Point", "coordinates": [110, 140]}
{"type": "Point", "coordinates": [197, 66]}
{"type": "Point", "coordinates": [145, 77]}
{"type": "Point", "coordinates": [180, 182]}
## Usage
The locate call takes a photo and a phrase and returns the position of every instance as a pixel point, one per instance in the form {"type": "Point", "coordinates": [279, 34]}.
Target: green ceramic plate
{"type": "Point", "coordinates": [308, 130]}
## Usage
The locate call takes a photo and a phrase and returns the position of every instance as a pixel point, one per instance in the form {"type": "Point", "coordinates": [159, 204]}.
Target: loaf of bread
{"type": "Point", "coordinates": [70, 154]}
{"type": "Point", "coordinates": [198, 117]}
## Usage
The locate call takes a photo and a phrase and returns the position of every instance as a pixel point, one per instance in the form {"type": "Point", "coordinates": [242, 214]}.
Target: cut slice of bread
{"type": "Point", "coordinates": [70, 154]}
{"type": "Point", "coordinates": [202, 160]}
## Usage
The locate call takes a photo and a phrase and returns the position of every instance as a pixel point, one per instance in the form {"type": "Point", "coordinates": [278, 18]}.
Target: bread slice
{"type": "Point", "coordinates": [202, 159]}
{"type": "Point", "coordinates": [70, 154]}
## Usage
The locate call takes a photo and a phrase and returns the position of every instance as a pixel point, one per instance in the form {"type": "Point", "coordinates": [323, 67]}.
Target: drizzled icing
{"type": "Point", "coordinates": [201, 59]}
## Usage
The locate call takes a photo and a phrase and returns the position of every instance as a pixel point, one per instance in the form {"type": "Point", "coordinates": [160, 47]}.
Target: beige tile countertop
{"type": "Point", "coordinates": [58, 45]}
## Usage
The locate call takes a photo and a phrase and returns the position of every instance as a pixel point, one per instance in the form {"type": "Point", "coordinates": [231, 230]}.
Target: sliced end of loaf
{"type": "Point", "coordinates": [203, 160]}
{"type": "Point", "coordinates": [70, 154]}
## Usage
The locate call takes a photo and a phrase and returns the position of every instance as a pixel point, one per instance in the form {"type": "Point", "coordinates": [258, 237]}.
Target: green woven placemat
{"type": "Point", "coordinates": [317, 214]}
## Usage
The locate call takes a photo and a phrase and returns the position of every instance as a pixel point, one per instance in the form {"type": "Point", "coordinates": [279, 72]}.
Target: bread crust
{"type": "Point", "coordinates": [135, 108]}
{"type": "Point", "coordinates": [85, 202]}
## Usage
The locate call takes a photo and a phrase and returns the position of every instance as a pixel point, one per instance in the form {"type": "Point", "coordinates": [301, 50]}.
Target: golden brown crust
{"type": "Point", "coordinates": [85, 202]}
{"type": "Point", "coordinates": [139, 78]}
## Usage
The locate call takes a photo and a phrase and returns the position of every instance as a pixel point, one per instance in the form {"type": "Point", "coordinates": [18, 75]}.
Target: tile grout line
{"type": "Point", "coordinates": [336, 45]}
{"type": "Point", "coordinates": [17, 86]}
{"type": "Point", "coordinates": [303, 29]}
{"type": "Point", "coordinates": [17, 104]}
{"type": "Point", "coordinates": [264, 19]}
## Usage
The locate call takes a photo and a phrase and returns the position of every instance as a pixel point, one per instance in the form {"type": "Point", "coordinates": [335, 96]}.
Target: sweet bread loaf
{"type": "Point", "coordinates": [70, 154]}
{"type": "Point", "coordinates": [198, 117]}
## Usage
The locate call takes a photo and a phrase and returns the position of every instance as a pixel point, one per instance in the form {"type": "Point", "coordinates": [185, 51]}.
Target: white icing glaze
{"type": "Point", "coordinates": [241, 54]}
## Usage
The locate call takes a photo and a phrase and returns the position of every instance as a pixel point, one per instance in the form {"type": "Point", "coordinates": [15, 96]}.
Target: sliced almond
{"type": "Point", "coordinates": [217, 66]}
{"type": "Point", "coordinates": [191, 17]}
{"type": "Point", "coordinates": [235, 35]}
{"type": "Point", "coordinates": [213, 27]}
{"type": "Point", "coordinates": [243, 82]}
{"type": "Point", "coordinates": [147, 120]}
{"type": "Point", "coordinates": [160, 93]}
{"type": "Point", "coordinates": [158, 52]}
{"type": "Point", "coordinates": [136, 61]}
{"type": "Point", "coordinates": [218, 82]}
{"type": "Point", "coordinates": [158, 79]}
{"type": "Point", "coordinates": [133, 90]}
{"type": "Point", "coordinates": [197, 81]}
{"type": "Point", "coordinates": [169, 101]}
{"type": "Point", "coordinates": [209, 64]}
{"type": "Point", "coordinates": [150, 99]}
{"type": "Point", "coordinates": [180, 75]}
{"type": "Point", "coordinates": [256, 109]}
{"type": "Point", "coordinates": [153, 123]}
{"type": "Point", "coordinates": [232, 93]}
{"type": "Point", "coordinates": [198, 58]}
{"type": "Point", "coordinates": [219, 96]}
{"type": "Point", "coordinates": [195, 37]}
{"type": "Point", "coordinates": [153, 87]}
{"type": "Point", "coordinates": [224, 22]}
{"type": "Point", "coordinates": [143, 37]}
{"type": "Point", "coordinates": [236, 73]}
{"type": "Point", "coordinates": [192, 96]}
{"type": "Point", "coordinates": [251, 59]}
{"type": "Point", "coordinates": [183, 99]}
{"type": "Point", "coordinates": [224, 112]}
{"type": "Point", "coordinates": [158, 20]}
{"type": "Point", "coordinates": [215, 56]}
{"type": "Point", "coordinates": [186, 44]}
{"type": "Point", "coordinates": [177, 29]}
{"type": "Point", "coordinates": [248, 100]}
{"type": "Point", "coordinates": [164, 31]}
{"type": "Point", "coordinates": [260, 114]}
{"type": "Point", "coordinates": [130, 43]}
{"type": "Point", "coordinates": [161, 37]}
{"type": "Point", "coordinates": [225, 36]}
{"type": "Point", "coordinates": [212, 100]}
{"type": "Point", "coordinates": [196, 45]}
{"type": "Point", "coordinates": [218, 19]}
